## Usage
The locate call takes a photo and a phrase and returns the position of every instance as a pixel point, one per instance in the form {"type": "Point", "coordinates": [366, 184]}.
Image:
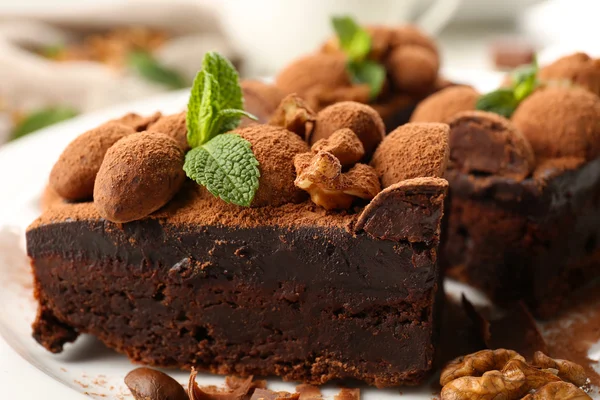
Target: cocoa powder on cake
{"type": "Point", "coordinates": [445, 104]}
{"type": "Point", "coordinates": [561, 122]}
{"type": "Point", "coordinates": [73, 175]}
{"type": "Point", "coordinates": [361, 119]}
{"type": "Point", "coordinates": [412, 151]}
{"type": "Point", "coordinates": [275, 149]}
{"type": "Point", "coordinates": [173, 125]}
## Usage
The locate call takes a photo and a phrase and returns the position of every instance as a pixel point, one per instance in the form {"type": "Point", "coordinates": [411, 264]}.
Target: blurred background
{"type": "Point", "coordinates": [62, 58]}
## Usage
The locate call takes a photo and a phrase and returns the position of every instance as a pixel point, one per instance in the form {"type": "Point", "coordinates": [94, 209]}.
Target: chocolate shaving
{"type": "Point", "coordinates": [348, 394]}
{"type": "Point", "coordinates": [196, 392]}
{"type": "Point", "coordinates": [309, 392]}
{"type": "Point", "coordinates": [264, 394]}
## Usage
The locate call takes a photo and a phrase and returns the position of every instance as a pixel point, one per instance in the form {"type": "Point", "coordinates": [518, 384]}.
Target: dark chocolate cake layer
{"type": "Point", "coordinates": [291, 291]}
{"type": "Point", "coordinates": [537, 240]}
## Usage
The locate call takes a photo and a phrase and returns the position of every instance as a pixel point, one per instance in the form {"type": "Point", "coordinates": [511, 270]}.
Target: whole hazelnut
{"type": "Point", "coordinates": [561, 122]}
{"type": "Point", "coordinates": [275, 148]}
{"type": "Point", "coordinates": [73, 175]}
{"type": "Point", "coordinates": [445, 104]}
{"type": "Point", "coordinates": [361, 119]}
{"type": "Point", "coordinates": [412, 151]}
{"type": "Point", "coordinates": [139, 175]}
{"type": "Point", "coordinates": [413, 68]}
{"type": "Point", "coordinates": [173, 125]}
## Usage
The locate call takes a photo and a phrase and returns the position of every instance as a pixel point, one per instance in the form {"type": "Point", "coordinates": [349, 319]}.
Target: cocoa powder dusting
{"type": "Point", "coordinates": [571, 335]}
{"type": "Point", "coordinates": [445, 104]}
{"type": "Point", "coordinates": [173, 125]}
{"type": "Point", "coordinates": [138, 122]}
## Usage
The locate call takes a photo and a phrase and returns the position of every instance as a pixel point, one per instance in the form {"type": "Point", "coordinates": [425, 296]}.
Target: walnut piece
{"type": "Point", "coordinates": [493, 385]}
{"type": "Point", "coordinates": [321, 176]}
{"type": "Point", "coordinates": [567, 370]}
{"type": "Point", "coordinates": [294, 115]}
{"type": "Point", "coordinates": [477, 363]}
{"type": "Point", "coordinates": [344, 145]}
{"type": "Point", "coordinates": [558, 390]}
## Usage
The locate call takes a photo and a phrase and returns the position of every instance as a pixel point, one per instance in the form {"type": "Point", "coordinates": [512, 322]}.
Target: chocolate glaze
{"type": "Point", "coordinates": [536, 240]}
{"type": "Point", "coordinates": [306, 302]}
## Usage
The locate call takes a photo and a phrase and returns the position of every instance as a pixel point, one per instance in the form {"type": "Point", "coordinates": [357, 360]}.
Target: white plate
{"type": "Point", "coordinates": [86, 367]}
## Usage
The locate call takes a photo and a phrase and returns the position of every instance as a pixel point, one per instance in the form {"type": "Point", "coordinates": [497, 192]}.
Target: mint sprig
{"type": "Point", "coordinates": [145, 65]}
{"type": "Point", "coordinates": [222, 162]}
{"type": "Point", "coordinates": [504, 101]}
{"type": "Point", "coordinates": [42, 118]}
{"type": "Point", "coordinates": [356, 43]}
{"type": "Point", "coordinates": [227, 167]}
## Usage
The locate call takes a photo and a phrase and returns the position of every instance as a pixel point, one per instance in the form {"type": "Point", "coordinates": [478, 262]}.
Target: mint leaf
{"type": "Point", "coordinates": [525, 80]}
{"type": "Point", "coordinates": [501, 101]}
{"type": "Point", "coordinates": [41, 119]}
{"type": "Point", "coordinates": [230, 92]}
{"type": "Point", "coordinates": [202, 110]}
{"type": "Point", "coordinates": [229, 119]}
{"type": "Point", "coordinates": [52, 51]}
{"type": "Point", "coordinates": [149, 68]}
{"type": "Point", "coordinates": [227, 167]}
{"type": "Point", "coordinates": [354, 40]}
{"type": "Point", "coordinates": [369, 72]}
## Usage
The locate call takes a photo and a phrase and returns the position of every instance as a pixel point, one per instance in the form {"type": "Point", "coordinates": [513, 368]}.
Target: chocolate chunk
{"type": "Point", "coordinates": [409, 210]}
{"type": "Point", "coordinates": [348, 394]}
{"type": "Point", "coordinates": [150, 384]}
{"type": "Point", "coordinates": [264, 394]}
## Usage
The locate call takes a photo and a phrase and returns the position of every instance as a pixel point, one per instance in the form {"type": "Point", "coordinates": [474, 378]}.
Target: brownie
{"type": "Point", "coordinates": [293, 291]}
{"type": "Point", "coordinates": [534, 239]}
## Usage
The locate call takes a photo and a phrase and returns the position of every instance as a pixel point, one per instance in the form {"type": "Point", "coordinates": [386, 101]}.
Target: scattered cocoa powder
{"type": "Point", "coordinates": [445, 104]}
{"type": "Point", "coordinates": [74, 173]}
{"type": "Point", "coordinates": [321, 70]}
{"type": "Point", "coordinates": [139, 175]}
{"type": "Point", "coordinates": [578, 69]}
{"type": "Point", "coordinates": [412, 151]}
{"type": "Point", "coordinates": [173, 125]}
{"type": "Point", "coordinates": [487, 142]}
{"type": "Point", "coordinates": [561, 122]}
{"type": "Point", "coordinates": [363, 120]}
{"type": "Point", "coordinates": [275, 149]}
{"type": "Point", "coordinates": [344, 145]}
{"type": "Point", "coordinates": [138, 122]}
{"type": "Point", "coordinates": [49, 198]}
{"type": "Point", "coordinates": [413, 68]}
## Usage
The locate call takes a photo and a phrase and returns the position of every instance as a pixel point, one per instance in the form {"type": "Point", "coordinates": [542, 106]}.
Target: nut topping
{"type": "Point", "coordinates": [294, 115]}
{"type": "Point", "coordinates": [558, 390]}
{"type": "Point", "coordinates": [344, 145]}
{"type": "Point", "coordinates": [567, 370]}
{"type": "Point", "coordinates": [477, 363]}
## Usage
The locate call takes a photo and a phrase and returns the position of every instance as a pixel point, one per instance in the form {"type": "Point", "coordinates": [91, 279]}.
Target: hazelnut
{"type": "Point", "coordinates": [275, 149]}
{"type": "Point", "coordinates": [137, 122]}
{"type": "Point", "coordinates": [316, 70]}
{"type": "Point", "coordinates": [561, 122]}
{"type": "Point", "coordinates": [344, 145]}
{"type": "Point", "coordinates": [361, 119]}
{"type": "Point", "coordinates": [321, 176]}
{"type": "Point", "coordinates": [412, 151]}
{"type": "Point", "coordinates": [413, 68]}
{"type": "Point", "coordinates": [445, 104]}
{"type": "Point", "coordinates": [146, 384]}
{"type": "Point", "coordinates": [484, 142]}
{"type": "Point", "coordinates": [175, 126]}
{"type": "Point", "coordinates": [139, 175]}
{"type": "Point", "coordinates": [294, 115]}
{"type": "Point", "coordinates": [73, 175]}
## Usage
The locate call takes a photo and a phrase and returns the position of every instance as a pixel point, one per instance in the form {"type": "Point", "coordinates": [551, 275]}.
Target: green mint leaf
{"type": "Point", "coordinates": [202, 110]}
{"type": "Point", "coordinates": [227, 167]}
{"type": "Point", "coordinates": [369, 72]}
{"type": "Point", "coordinates": [525, 80]}
{"type": "Point", "coordinates": [501, 101]}
{"type": "Point", "coordinates": [230, 93]}
{"type": "Point", "coordinates": [149, 68]}
{"type": "Point", "coordinates": [41, 119]}
{"type": "Point", "coordinates": [52, 51]}
{"type": "Point", "coordinates": [229, 119]}
{"type": "Point", "coordinates": [354, 40]}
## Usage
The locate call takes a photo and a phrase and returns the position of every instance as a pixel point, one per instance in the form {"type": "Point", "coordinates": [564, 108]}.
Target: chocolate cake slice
{"type": "Point", "coordinates": [293, 291]}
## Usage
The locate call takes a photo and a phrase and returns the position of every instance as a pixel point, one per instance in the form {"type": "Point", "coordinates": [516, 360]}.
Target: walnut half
{"type": "Point", "coordinates": [321, 176]}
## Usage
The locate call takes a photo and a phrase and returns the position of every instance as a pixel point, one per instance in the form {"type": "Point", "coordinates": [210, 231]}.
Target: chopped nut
{"type": "Point", "coordinates": [477, 363]}
{"type": "Point", "coordinates": [294, 115]}
{"type": "Point", "coordinates": [344, 145]}
{"type": "Point", "coordinates": [321, 176]}
{"type": "Point", "coordinates": [536, 378]}
{"type": "Point", "coordinates": [493, 385]}
{"type": "Point", "coordinates": [558, 391]}
{"type": "Point", "coordinates": [567, 370]}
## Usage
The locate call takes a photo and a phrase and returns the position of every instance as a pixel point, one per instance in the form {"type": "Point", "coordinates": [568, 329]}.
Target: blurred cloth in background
{"type": "Point", "coordinates": [56, 62]}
